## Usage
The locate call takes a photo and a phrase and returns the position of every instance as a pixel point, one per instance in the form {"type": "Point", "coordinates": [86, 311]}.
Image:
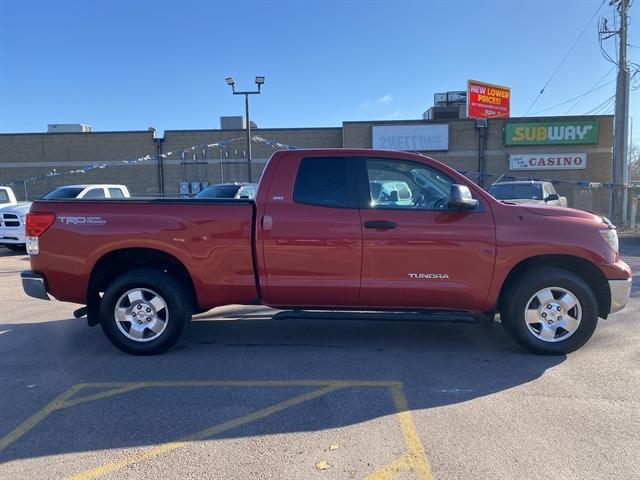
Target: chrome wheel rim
{"type": "Point", "coordinates": [141, 315]}
{"type": "Point", "coordinates": [553, 314]}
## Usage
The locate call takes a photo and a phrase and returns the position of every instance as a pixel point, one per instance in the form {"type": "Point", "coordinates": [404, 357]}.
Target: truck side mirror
{"type": "Point", "coordinates": [552, 196]}
{"type": "Point", "coordinates": [460, 197]}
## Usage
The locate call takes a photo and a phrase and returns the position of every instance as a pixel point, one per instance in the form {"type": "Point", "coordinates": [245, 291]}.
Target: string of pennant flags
{"type": "Point", "coordinates": [278, 145]}
{"type": "Point", "coordinates": [147, 158]}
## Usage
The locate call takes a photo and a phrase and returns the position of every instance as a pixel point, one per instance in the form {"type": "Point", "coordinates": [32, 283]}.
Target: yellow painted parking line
{"type": "Point", "coordinates": [414, 460]}
{"type": "Point", "coordinates": [202, 434]}
{"type": "Point", "coordinates": [100, 395]}
{"type": "Point", "coordinates": [250, 383]}
{"type": "Point", "coordinates": [391, 470]}
{"type": "Point", "coordinates": [63, 401]}
{"type": "Point", "coordinates": [416, 452]}
{"type": "Point", "coordinates": [39, 416]}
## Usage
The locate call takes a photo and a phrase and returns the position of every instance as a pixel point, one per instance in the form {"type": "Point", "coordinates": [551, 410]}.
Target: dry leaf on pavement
{"type": "Point", "coordinates": [322, 466]}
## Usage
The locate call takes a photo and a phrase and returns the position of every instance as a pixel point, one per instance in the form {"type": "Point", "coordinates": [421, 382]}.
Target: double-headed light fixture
{"type": "Point", "coordinates": [232, 84]}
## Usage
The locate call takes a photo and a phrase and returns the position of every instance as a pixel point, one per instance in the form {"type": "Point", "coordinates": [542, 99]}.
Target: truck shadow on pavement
{"type": "Point", "coordinates": [437, 364]}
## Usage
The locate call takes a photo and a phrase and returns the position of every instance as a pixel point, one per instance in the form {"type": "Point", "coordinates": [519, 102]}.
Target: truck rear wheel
{"type": "Point", "coordinates": [550, 311]}
{"type": "Point", "coordinates": [144, 312]}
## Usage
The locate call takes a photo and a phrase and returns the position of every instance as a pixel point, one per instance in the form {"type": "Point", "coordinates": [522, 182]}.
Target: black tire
{"type": "Point", "coordinates": [524, 287]}
{"type": "Point", "coordinates": [15, 247]}
{"type": "Point", "coordinates": [177, 311]}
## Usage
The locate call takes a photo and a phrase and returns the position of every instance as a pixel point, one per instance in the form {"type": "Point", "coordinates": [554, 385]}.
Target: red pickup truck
{"type": "Point", "coordinates": [331, 229]}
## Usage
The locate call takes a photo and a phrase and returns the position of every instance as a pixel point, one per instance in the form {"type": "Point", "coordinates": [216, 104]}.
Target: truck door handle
{"type": "Point", "coordinates": [379, 224]}
{"type": "Point", "coordinates": [267, 222]}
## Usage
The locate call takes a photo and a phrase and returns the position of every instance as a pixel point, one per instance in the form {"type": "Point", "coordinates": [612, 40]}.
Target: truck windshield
{"type": "Point", "coordinates": [66, 192]}
{"type": "Point", "coordinates": [515, 191]}
{"type": "Point", "coordinates": [219, 191]}
{"type": "Point", "coordinates": [4, 196]}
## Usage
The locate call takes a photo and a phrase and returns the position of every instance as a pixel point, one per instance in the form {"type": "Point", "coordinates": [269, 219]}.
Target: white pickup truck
{"type": "Point", "coordinates": [12, 216]}
{"type": "Point", "coordinates": [7, 197]}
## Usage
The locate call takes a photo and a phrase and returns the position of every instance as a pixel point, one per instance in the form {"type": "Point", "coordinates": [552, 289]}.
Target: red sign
{"type": "Point", "coordinates": [487, 101]}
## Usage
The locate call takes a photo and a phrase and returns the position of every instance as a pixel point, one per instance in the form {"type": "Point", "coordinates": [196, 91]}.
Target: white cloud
{"type": "Point", "coordinates": [395, 114]}
{"type": "Point", "coordinates": [366, 103]}
{"type": "Point", "coordinates": [386, 99]}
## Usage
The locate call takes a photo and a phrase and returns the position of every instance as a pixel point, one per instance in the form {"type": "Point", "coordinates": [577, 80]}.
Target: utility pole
{"type": "Point", "coordinates": [621, 127]}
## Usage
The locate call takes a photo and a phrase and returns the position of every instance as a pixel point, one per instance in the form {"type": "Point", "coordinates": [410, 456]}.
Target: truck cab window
{"type": "Point", "coordinates": [406, 185]}
{"type": "Point", "coordinates": [323, 182]}
{"type": "Point", "coordinates": [95, 193]}
{"type": "Point", "coordinates": [116, 193]}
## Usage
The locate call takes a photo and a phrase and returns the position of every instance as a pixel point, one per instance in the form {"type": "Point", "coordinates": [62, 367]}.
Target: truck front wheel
{"type": "Point", "coordinates": [550, 311]}
{"type": "Point", "coordinates": [144, 312]}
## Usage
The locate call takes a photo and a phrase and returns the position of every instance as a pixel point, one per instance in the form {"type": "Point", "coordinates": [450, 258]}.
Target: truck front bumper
{"type": "Point", "coordinates": [34, 285]}
{"type": "Point", "coordinates": [620, 291]}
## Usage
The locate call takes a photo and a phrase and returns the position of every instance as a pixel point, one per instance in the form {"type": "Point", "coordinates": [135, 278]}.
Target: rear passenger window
{"type": "Point", "coordinates": [95, 193]}
{"type": "Point", "coordinates": [323, 182]}
{"type": "Point", "coordinates": [116, 193]}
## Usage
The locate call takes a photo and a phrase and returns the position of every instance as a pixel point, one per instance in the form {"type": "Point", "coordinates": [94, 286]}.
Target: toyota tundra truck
{"type": "Point", "coordinates": [317, 236]}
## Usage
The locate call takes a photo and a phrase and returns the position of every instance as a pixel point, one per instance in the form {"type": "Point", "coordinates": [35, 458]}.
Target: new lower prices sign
{"type": "Point", "coordinates": [548, 161]}
{"type": "Point", "coordinates": [410, 137]}
{"type": "Point", "coordinates": [487, 100]}
{"type": "Point", "coordinates": [551, 133]}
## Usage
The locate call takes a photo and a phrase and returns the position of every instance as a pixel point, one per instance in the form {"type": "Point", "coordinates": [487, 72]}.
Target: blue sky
{"type": "Point", "coordinates": [128, 65]}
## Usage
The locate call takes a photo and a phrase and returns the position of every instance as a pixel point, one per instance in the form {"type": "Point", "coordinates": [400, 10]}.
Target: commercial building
{"type": "Point", "coordinates": [574, 151]}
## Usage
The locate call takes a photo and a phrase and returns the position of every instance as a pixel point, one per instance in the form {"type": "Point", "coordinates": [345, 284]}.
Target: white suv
{"type": "Point", "coordinates": [12, 228]}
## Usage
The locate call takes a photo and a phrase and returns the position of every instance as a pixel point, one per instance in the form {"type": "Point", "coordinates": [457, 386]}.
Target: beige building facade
{"type": "Point", "coordinates": [574, 151]}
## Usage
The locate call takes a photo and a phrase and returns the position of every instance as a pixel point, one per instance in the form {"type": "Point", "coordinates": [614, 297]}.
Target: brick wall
{"type": "Point", "coordinates": [26, 155]}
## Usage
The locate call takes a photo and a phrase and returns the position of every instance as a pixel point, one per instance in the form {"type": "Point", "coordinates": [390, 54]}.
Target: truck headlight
{"type": "Point", "coordinates": [610, 235]}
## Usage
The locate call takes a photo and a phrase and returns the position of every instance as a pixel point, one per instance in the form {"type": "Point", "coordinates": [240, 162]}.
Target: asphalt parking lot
{"type": "Point", "coordinates": [249, 395]}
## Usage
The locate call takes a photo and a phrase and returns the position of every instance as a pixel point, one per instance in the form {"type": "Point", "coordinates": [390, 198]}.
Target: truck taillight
{"type": "Point", "coordinates": [37, 223]}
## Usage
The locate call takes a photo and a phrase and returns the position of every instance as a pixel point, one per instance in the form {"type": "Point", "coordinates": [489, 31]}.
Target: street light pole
{"type": "Point", "coordinates": [246, 107]}
{"type": "Point", "coordinates": [232, 84]}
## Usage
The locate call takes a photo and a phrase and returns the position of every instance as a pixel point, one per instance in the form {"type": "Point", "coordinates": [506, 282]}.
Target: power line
{"type": "Point", "coordinates": [579, 97]}
{"type": "Point", "coordinates": [565, 57]}
{"type": "Point", "coordinates": [602, 106]}
{"type": "Point", "coordinates": [602, 78]}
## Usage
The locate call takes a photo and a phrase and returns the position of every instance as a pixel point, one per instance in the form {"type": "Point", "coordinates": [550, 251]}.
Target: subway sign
{"type": "Point", "coordinates": [551, 133]}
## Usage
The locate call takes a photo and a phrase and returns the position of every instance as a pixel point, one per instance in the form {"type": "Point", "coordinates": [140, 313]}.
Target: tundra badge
{"type": "Point", "coordinates": [438, 276]}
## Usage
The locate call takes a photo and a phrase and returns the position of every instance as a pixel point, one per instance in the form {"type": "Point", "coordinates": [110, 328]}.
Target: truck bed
{"type": "Point", "coordinates": [212, 238]}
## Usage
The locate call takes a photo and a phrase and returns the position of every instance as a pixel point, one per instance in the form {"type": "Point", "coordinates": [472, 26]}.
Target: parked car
{"type": "Point", "coordinates": [313, 239]}
{"type": "Point", "coordinates": [12, 219]}
{"type": "Point", "coordinates": [530, 191]}
{"type": "Point", "coordinates": [229, 190]}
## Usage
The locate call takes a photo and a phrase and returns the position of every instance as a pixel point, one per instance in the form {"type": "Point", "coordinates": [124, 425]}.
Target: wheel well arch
{"type": "Point", "coordinates": [117, 262]}
{"type": "Point", "coordinates": [581, 267]}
